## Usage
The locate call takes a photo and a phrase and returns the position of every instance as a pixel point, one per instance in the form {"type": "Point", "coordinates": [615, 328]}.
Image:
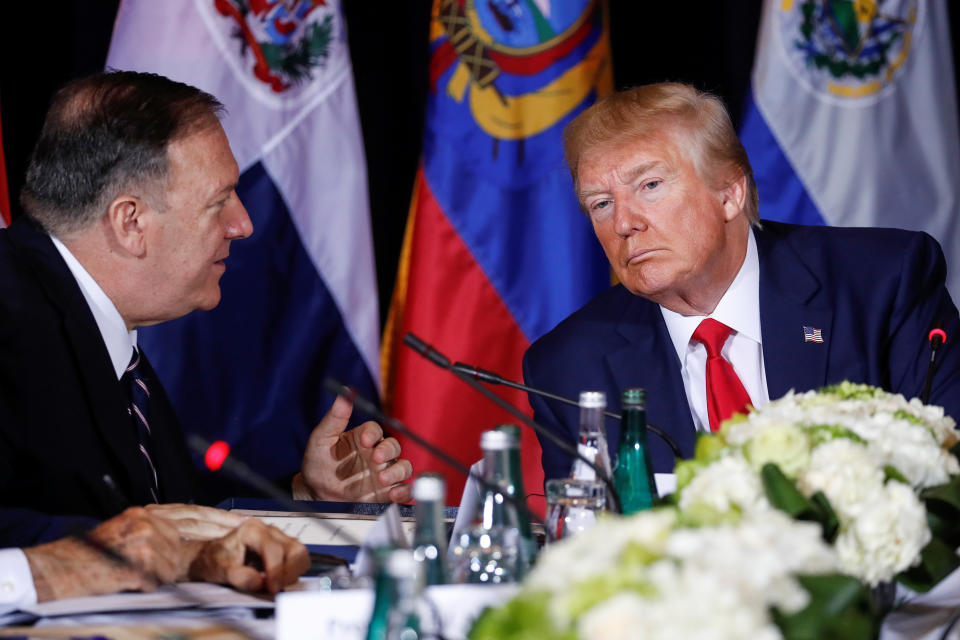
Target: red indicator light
{"type": "Point", "coordinates": [937, 332]}
{"type": "Point", "coordinates": [216, 454]}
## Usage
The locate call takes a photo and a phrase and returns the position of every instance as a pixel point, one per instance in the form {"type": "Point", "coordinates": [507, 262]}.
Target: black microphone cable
{"type": "Point", "coordinates": [371, 409]}
{"type": "Point", "coordinates": [490, 377]}
{"type": "Point", "coordinates": [440, 360]}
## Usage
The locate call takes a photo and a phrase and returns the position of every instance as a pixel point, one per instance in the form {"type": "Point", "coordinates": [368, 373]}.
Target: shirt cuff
{"type": "Point", "coordinates": [16, 581]}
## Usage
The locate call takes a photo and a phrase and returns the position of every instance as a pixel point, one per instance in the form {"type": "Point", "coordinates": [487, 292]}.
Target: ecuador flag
{"type": "Point", "coordinates": [496, 251]}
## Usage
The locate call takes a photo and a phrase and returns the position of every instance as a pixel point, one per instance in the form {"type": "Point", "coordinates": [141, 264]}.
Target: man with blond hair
{"type": "Point", "coordinates": [716, 309]}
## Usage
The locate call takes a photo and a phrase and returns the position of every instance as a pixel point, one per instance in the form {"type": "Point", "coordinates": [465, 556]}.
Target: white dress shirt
{"type": "Point", "coordinates": [119, 341]}
{"type": "Point", "coordinates": [739, 309]}
{"type": "Point", "coordinates": [16, 581]}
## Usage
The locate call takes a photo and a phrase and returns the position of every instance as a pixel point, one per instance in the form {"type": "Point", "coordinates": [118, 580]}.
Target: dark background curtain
{"type": "Point", "coordinates": [709, 44]}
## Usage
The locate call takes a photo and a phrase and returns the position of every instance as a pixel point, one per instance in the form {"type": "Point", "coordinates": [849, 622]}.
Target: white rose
{"type": "Point", "coordinates": [782, 444]}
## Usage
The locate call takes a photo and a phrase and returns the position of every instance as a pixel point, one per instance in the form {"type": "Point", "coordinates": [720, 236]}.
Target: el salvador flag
{"type": "Point", "coordinates": [852, 118]}
{"type": "Point", "coordinates": [299, 300]}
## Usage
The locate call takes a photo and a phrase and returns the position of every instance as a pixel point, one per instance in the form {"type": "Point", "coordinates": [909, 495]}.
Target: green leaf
{"type": "Point", "coordinates": [525, 617]}
{"type": "Point", "coordinates": [890, 473]}
{"type": "Point", "coordinates": [943, 511]}
{"type": "Point", "coordinates": [708, 447]}
{"type": "Point", "coordinates": [784, 495]}
{"type": "Point", "coordinates": [827, 516]}
{"type": "Point", "coordinates": [840, 607]}
{"type": "Point", "coordinates": [937, 561]}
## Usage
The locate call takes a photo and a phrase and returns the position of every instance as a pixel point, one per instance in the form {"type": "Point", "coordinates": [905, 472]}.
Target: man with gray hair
{"type": "Point", "coordinates": [131, 210]}
{"type": "Point", "coordinates": [717, 310]}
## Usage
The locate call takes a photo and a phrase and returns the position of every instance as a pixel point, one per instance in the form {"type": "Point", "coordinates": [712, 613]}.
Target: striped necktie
{"type": "Point", "coordinates": [139, 399]}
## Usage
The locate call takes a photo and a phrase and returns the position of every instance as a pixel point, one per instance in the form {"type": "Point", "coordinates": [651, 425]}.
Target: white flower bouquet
{"type": "Point", "coordinates": [870, 466]}
{"type": "Point", "coordinates": [781, 522]}
{"type": "Point", "coordinates": [656, 575]}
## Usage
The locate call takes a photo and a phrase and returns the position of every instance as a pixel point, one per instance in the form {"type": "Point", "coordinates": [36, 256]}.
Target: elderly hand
{"type": "Point", "coordinates": [252, 556]}
{"type": "Point", "coordinates": [281, 560]}
{"type": "Point", "coordinates": [196, 522]}
{"type": "Point", "coordinates": [359, 465]}
{"type": "Point", "coordinates": [70, 568]}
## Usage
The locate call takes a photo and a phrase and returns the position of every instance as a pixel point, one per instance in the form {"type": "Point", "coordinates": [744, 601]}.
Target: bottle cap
{"type": "Point", "coordinates": [401, 564]}
{"type": "Point", "coordinates": [495, 440]}
{"type": "Point", "coordinates": [634, 397]}
{"type": "Point", "coordinates": [593, 400]}
{"type": "Point", "coordinates": [512, 430]}
{"type": "Point", "coordinates": [429, 486]}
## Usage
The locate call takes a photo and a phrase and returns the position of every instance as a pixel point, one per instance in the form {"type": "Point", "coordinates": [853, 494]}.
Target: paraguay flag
{"type": "Point", "coordinates": [852, 120]}
{"type": "Point", "coordinates": [299, 299]}
{"type": "Point", "coordinates": [496, 251]}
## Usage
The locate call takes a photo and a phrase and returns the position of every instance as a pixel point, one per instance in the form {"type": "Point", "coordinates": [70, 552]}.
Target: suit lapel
{"type": "Point", "coordinates": [788, 303]}
{"type": "Point", "coordinates": [92, 362]}
{"type": "Point", "coordinates": [649, 360]}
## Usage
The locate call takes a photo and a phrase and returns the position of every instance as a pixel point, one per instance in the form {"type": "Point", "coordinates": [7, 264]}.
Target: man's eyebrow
{"type": "Point", "coordinates": [225, 190]}
{"type": "Point", "coordinates": [633, 173]}
{"type": "Point", "coordinates": [627, 177]}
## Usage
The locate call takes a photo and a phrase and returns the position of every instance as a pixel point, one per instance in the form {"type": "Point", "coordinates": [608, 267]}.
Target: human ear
{"type": "Point", "coordinates": [734, 198]}
{"type": "Point", "coordinates": [126, 217]}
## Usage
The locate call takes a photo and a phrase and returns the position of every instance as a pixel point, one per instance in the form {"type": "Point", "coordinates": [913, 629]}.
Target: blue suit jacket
{"type": "Point", "coordinates": [874, 294]}
{"type": "Point", "coordinates": [64, 423]}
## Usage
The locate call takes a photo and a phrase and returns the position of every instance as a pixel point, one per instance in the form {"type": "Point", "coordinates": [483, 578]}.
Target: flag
{"type": "Point", "coordinates": [496, 251]}
{"type": "Point", "coordinates": [852, 117]}
{"type": "Point", "coordinates": [4, 190]}
{"type": "Point", "coordinates": [299, 298]}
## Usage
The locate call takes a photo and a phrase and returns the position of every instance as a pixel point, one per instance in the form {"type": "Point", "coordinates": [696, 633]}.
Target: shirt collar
{"type": "Point", "coordinates": [739, 308]}
{"type": "Point", "coordinates": [118, 340]}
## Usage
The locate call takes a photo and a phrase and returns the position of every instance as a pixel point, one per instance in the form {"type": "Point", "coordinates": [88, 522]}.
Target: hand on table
{"type": "Point", "coordinates": [251, 556]}
{"type": "Point", "coordinates": [197, 522]}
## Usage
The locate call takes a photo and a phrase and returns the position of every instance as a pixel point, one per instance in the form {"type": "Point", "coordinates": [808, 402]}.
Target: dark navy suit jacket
{"type": "Point", "coordinates": [874, 294]}
{"type": "Point", "coordinates": [63, 418]}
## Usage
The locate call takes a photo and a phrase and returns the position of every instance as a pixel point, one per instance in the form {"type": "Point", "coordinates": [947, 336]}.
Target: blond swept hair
{"type": "Point", "coordinates": [698, 121]}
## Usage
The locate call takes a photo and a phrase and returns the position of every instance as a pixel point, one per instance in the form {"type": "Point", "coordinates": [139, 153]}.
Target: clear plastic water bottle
{"type": "Point", "coordinates": [490, 551]}
{"type": "Point", "coordinates": [593, 436]}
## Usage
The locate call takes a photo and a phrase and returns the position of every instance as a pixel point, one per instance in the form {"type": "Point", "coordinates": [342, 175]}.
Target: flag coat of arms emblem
{"type": "Point", "coordinates": [497, 251]}
{"type": "Point", "coordinates": [852, 117]}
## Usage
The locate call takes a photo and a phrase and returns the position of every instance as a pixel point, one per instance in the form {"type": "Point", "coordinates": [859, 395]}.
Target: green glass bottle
{"type": "Point", "coordinates": [633, 475]}
{"type": "Point", "coordinates": [397, 594]}
{"type": "Point", "coordinates": [430, 534]}
{"type": "Point", "coordinates": [515, 489]}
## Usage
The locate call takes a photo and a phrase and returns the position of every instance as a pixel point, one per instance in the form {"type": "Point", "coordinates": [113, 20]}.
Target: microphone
{"type": "Point", "coordinates": [437, 358]}
{"type": "Point", "coordinates": [216, 456]}
{"type": "Point", "coordinates": [937, 338]}
{"type": "Point", "coordinates": [371, 409]}
{"type": "Point", "coordinates": [489, 377]}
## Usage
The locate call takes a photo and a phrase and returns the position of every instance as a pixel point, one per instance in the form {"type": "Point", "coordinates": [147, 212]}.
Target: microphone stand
{"type": "Point", "coordinates": [443, 362]}
{"type": "Point", "coordinates": [489, 377]}
{"type": "Point", "coordinates": [368, 407]}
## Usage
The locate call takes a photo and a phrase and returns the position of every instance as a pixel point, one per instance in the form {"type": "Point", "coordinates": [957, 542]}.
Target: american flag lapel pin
{"type": "Point", "coordinates": [812, 334]}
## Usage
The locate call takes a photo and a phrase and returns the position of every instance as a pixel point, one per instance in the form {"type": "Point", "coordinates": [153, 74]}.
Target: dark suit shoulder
{"type": "Point", "coordinates": [592, 327]}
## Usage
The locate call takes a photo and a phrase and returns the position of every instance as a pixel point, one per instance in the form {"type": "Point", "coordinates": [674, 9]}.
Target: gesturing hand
{"type": "Point", "coordinates": [359, 465]}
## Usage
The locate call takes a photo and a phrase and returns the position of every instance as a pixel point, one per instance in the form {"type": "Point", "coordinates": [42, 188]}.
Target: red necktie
{"type": "Point", "coordinates": [725, 393]}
